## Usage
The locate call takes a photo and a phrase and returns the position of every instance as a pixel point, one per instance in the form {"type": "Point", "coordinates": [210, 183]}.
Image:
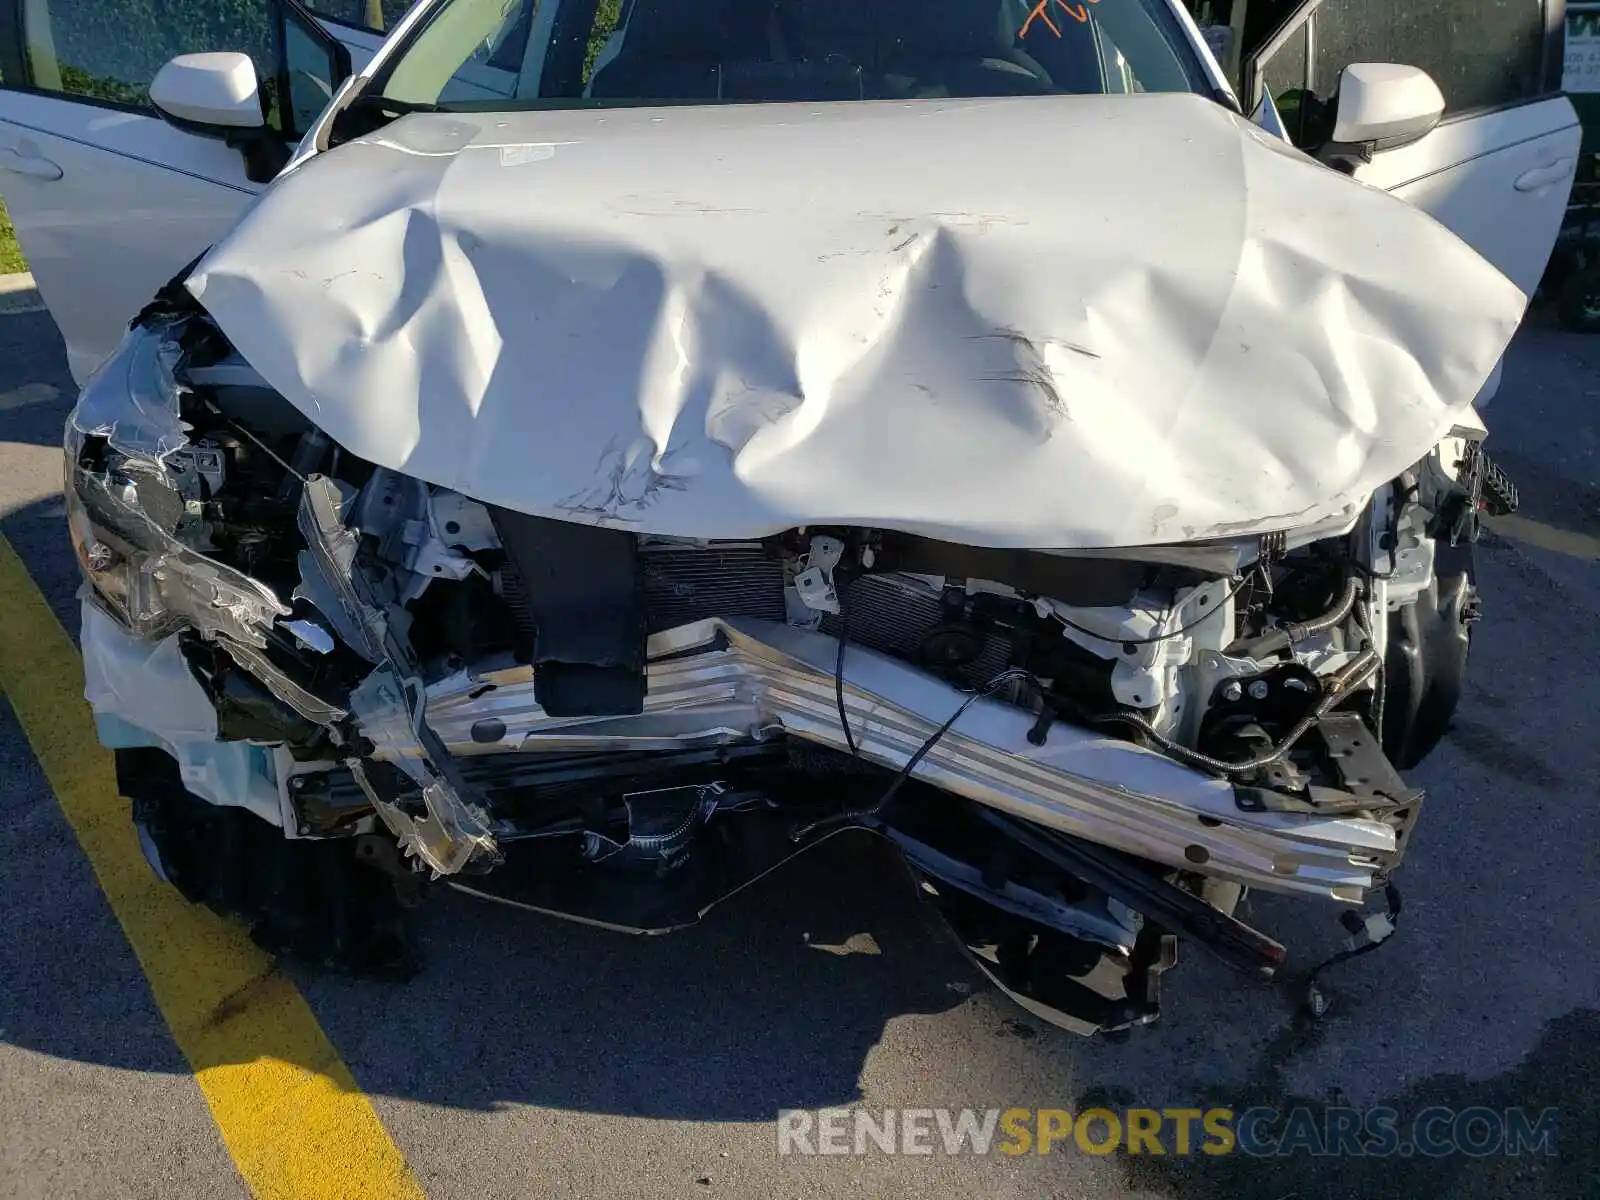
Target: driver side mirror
{"type": "Point", "coordinates": [1385, 105]}
{"type": "Point", "coordinates": [220, 95]}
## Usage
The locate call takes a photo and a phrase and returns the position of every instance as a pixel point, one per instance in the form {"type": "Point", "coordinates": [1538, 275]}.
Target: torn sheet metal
{"type": "Point", "coordinates": [454, 831]}
{"type": "Point", "coordinates": [418, 529]}
{"type": "Point", "coordinates": [313, 708]}
{"type": "Point", "coordinates": [158, 584]}
{"type": "Point", "coordinates": [131, 523]}
{"type": "Point", "coordinates": [451, 833]}
{"type": "Point", "coordinates": [1051, 322]}
{"type": "Point", "coordinates": [327, 571]}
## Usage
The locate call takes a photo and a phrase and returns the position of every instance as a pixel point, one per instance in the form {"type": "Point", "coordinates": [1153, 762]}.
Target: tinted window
{"type": "Point", "coordinates": [112, 49]}
{"type": "Point", "coordinates": [1482, 53]}
{"type": "Point", "coordinates": [312, 73]}
{"type": "Point", "coordinates": [378, 15]}
{"type": "Point", "coordinates": [561, 53]}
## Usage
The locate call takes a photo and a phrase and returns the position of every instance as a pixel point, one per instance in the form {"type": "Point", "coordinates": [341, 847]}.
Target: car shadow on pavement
{"type": "Point", "coordinates": [773, 1001]}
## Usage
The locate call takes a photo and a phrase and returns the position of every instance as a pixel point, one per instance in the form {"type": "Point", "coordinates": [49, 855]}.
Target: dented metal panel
{"type": "Point", "coordinates": [1038, 322]}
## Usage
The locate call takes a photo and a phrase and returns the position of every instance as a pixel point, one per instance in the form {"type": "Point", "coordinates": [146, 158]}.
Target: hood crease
{"type": "Point", "coordinates": [1048, 322]}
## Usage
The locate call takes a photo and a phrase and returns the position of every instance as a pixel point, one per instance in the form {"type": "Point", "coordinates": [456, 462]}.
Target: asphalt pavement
{"type": "Point", "coordinates": [538, 1058]}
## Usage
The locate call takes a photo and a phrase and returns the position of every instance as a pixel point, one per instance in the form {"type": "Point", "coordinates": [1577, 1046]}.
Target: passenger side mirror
{"type": "Point", "coordinates": [1385, 105]}
{"type": "Point", "coordinates": [215, 94]}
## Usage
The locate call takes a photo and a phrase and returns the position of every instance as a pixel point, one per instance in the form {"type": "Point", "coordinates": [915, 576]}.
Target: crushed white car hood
{"type": "Point", "coordinates": [1044, 322]}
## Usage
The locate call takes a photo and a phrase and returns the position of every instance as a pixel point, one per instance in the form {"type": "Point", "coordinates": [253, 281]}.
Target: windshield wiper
{"type": "Point", "coordinates": [370, 111]}
{"type": "Point", "coordinates": [385, 104]}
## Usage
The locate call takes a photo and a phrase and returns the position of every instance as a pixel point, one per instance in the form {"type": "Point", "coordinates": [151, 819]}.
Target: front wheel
{"type": "Point", "coordinates": [321, 902]}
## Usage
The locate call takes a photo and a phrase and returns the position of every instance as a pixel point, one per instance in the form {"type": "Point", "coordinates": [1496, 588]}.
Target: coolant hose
{"type": "Point", "coordinates": [1285, 636]}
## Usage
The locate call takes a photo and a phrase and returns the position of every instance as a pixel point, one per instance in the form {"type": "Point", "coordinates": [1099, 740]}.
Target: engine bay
{"type": "Point", "coordinates": [1080, 755]}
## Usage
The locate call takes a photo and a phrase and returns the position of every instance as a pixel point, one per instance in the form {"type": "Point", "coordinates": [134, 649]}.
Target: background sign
{"type": "Point", "coordinates": [1582, 73]}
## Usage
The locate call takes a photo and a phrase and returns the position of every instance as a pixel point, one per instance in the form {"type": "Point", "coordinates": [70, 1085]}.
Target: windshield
{"type": "Point", "coordinates": [495, 54]}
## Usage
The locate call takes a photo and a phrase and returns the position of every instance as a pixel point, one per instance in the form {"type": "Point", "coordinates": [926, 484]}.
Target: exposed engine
{"type": "Point", "coordinates": [1081, 755]}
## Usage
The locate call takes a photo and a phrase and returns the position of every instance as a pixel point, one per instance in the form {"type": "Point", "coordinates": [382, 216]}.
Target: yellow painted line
{"type": "Point", "coordinates": [288, 1110]}
{"type": "Point", "coordinates": [1546, 537]}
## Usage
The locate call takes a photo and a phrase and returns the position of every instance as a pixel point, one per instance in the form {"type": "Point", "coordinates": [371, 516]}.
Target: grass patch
{"type": "Point", "coordinates": [11, 259]}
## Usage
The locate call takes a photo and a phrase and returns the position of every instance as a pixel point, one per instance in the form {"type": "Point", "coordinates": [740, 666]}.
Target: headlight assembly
{"type": "Point", "coordinates": [132, 399]}
{"type": "Point", "coordinates": [130, 521]}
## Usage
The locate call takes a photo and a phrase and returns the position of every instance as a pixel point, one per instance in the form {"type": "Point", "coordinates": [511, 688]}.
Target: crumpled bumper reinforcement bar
{"type": "Point", "coordinates": [731, 682]}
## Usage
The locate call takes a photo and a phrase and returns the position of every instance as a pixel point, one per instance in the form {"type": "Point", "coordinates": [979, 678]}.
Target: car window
{"type": "Point", "coordinates": [110, 50]}
{"type": "Point", "coordinates": [1482, 53]}
{"type": "Point", "coordinates": [1283, 78]}
{"type": "Point", "coordinates": [377, 15]}
{"type": "Point", "coordinates": [311, 74]}
{"type": "Point", "coordinates": [565, 53]}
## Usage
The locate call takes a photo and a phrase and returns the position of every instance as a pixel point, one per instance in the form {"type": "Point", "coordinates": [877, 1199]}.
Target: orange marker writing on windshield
{"type": "Point", "coordinates": [1077, 12]}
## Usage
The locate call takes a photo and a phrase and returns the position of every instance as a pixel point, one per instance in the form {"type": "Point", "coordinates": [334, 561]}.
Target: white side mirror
{"type": "Point", "coordinates": [214, 93]}
{"type": "Point", "coordinates": [1384, 105]}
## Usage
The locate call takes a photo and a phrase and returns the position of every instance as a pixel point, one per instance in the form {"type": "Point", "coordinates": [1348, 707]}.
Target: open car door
{"type": "Point", "coordinates": [108, 198]}
{"type": "Point", "coordinates": [1498, 167]}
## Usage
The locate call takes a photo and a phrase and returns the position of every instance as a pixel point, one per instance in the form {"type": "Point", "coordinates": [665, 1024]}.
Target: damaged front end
{"type": "Point", "coordinates": [330, 683]}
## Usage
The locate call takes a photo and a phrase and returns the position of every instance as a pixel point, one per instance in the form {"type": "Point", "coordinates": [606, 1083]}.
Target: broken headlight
{"type": "Point", "coordinates": [134, 490]}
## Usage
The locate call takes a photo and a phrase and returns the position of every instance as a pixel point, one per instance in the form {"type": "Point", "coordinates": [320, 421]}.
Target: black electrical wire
{"type": "Point", "coordinates": [838, 677]}
{"type": "Point", "coordinates": [1339, 686]}
{"type": "Point", "coordinates": [259, 444]}
{"type": "Point", "coordinates": [988, 689]}
{"type": "Point", "coordinates": [844, 626]}
{"type": "Point", "coordinates": [1360, 943]}
{"type": "Point", "coordinates": [1179, 751]}
{"type": "Point", "coordinates": [1160, 637]}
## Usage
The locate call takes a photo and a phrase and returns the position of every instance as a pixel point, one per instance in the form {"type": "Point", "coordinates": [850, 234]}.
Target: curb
{"type": "Point", "coordinates": [19, 294]}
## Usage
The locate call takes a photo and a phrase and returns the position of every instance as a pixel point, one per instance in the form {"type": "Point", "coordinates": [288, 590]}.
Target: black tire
{"type": "Point", "coordinates": [313, 901]}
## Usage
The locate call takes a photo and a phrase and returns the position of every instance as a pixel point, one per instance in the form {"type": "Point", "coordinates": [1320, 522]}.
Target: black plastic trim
{"type": "Point", "coordinates": [1555, 45]}
{"type": "Point", "coordinates": [13, 49]}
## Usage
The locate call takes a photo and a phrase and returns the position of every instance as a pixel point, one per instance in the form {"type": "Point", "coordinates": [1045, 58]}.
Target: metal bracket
{"type": "Point", "coordinates": [1366, 780]}
{"type": "Point", "coordinates": [814, 585]}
